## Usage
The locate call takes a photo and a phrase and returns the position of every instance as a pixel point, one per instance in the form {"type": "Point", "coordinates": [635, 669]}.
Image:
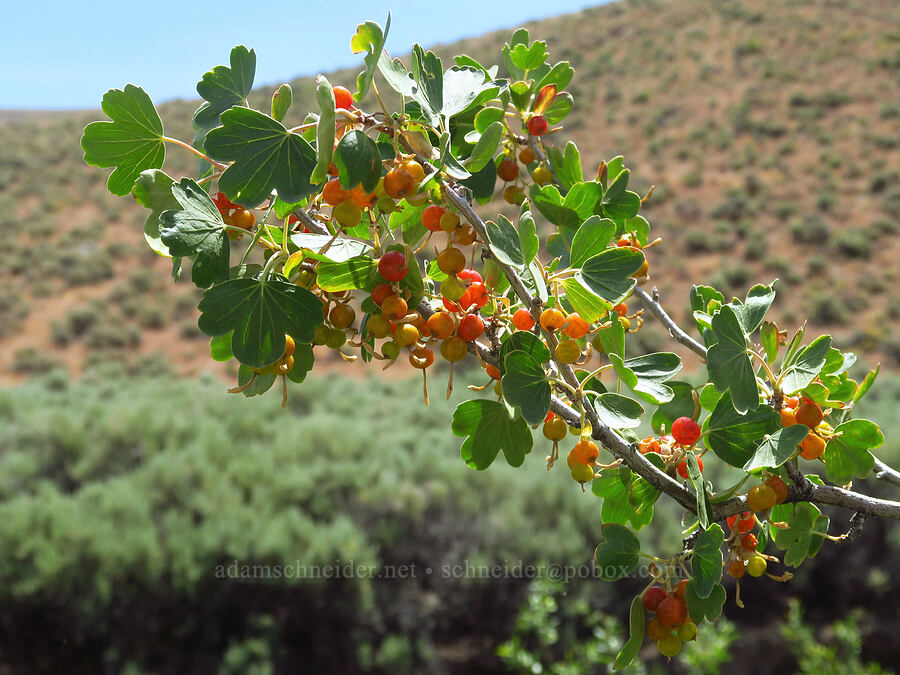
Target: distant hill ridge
{"type": "Point", "coordinates": [771, 132]}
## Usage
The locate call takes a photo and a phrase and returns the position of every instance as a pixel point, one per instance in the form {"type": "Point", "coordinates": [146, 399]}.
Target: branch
{"type": "Point", "coordinates": [886, 473]}
{"type": "Point", "coordinates": [652, 304]}
{"type": "Point", "coordinates": [610, 439]}
{"type": "Point", "coordinates": [804, 490]}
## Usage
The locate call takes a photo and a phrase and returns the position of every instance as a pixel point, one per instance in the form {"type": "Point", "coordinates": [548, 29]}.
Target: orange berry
{"type": "Point", "coordinates": [523, 320]}
{"type": "Point", "coordinates": [441, 325]}
{"type": "Point", "coordinates": [552, 320]}
{"type": "Point", "coordinates": [737, 568]}
{"type": "Point", "coordinates": [398, 183]}
{"type": "Point", "coordinates": [394, 307]}
{"type": "Point", "coordinates": [575, 326]}
{"type": "Point", "coordinates": [810, 414]}
{"type": "Point", "coordinates": [812, 446]}
{"type": "Point", "coordinates": [333, 194]}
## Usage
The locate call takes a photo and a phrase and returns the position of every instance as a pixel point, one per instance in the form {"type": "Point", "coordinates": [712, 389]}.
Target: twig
{"type": "Point", "coordinates": [886, 473]}
{"type": "Point", "coordinates": [652, 304]}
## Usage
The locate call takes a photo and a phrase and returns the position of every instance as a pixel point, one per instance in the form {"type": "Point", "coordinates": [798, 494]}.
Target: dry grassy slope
{"type": "Point", "coordinates": [771, 132]}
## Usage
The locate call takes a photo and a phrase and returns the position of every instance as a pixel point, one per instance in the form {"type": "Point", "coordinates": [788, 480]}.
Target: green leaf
{"type": "Point", "coordinates": [549, 202]}
{"type": "Point", "coordinates": [257, 383]}
{"type": "Point", "coordinates": [464, 88]}
{"type": "Point", "coordinates": [525, 385]}
{"type": "Point", "coordinates": [358, 161]}
{"type": "Point", "coordinates": [368, 38]}
{"type": "Point", "coordinates": [448, 160]}
{"type": "Point", "coordinates": [709, 608]}
{"type": "Point", "coordinates": [560, 75]}
{"type": "Point", "coordinates": [617, 555]}
{"type": "Point", "coordinates": [132, 141]}
{"type": "Point", "coordinates": [617, 411]}
{"type": "Point", "coordinates": [560, 108]}
{"type": "Point", "coordinates": [709, 397]}
{"type": "Point", "coordinates": [224, 87]}
{"type": "Point", "coordinates": [567, 165]}
{"type": "Point", "coordinates": [693, 468]}
{"type": "Point", "coordinates": [867, 383]}
{"type": "Point", "coordinates": [806, 365]}
{"type": "Point", "coordinates": [220, 348]}
{"type": "Point", "coordinates": [489, 429]}
{"type": "Point", "coordinates": [340, 250]}
{"type": "Point", "coordinates": [265, 156]}
{"type": "Point", "coordinates": [847, 454]}
{"type": "Point", "coordinates": [799, 540]}
{"type": "Point", "coordinates": [728, 361]}
{"type": "Point", "coordinates": [482, 183]}
{"type": "Point", "coordinates": [260, 313]}
{"type": "Point", "coordinates": [396, 75]}
{"type": "Point", "coordinates": [324, 129]}
{"type": "Point", "coordinates": [681, 405]}
{"type": "Point", "coordinates": [428, 74]}
{"type": "Point", "coordinates": [153, 189]}
{"type": "Point", "coordinates": [608, 274]}
{"type": "Point", "coordinates": [486, 117]}
{"type": "Point", "coordinates": [409, 219]}
{"type": "Point", "coordinates": [281, 101]}
{"type": "Point", "coordinates": [197, 231]}
{"type": "Point", "coordinates": [504, 242]}
{"type": "Point", "coordinates": [768, 335]}
{"type": "Point", "coordinates": [303, 363]}
{"type": "Point", "coordinates": [527, 342]}
{"type": "Point", "coordinates": [618, 203]}
{"type": "Point", "coordinates": [631, 648]}
{"type": "Point", "coordinates": [528, 239]}
{"type": "Point", "coordinates": [591, 238]}
{"type": "Point", "coordinates": [529, 58]}
{"type": "Point", "coordinates": [733, 436]}
{"type": "Point", "coordinates": [359, 272]}
{"type": "Point", "coordinates": [646, 375]}
{"type": "Point", "coordinates": [582, 198]}
{"type": "Point", "coordinates": [484, 149]}
{"type": "Point", "coordinates": [614, 487]}
{"type": "Point", "coordinates": [612, 337]}
{"type": "Point", "coordinates": [706, 561]}
{"type": "Point", "coordinates": [777, 448]}
{"type": "Point", "coordinates": [752, 312]}
{"type": "Point", "coordinates": [587, 303]}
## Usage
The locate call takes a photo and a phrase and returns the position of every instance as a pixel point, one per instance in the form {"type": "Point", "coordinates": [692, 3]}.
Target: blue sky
{"type": "Point", "coordinates": [67, 54]}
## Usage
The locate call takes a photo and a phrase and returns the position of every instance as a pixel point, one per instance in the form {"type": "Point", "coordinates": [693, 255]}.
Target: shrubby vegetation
{"type": "Point", "coordinates": [119, 495]}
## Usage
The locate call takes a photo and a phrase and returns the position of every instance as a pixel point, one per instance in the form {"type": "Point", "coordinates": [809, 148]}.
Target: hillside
{"type": "Point", "coordinates": [771, 134]}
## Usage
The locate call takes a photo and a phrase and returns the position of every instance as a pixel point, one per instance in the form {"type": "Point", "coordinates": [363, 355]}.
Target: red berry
{"type": "Point", "coordinates": [478, 294]}
{"type": "Point", "coordinates": [748, 542]}
{"type": "Point", "coordinates": [654, 596]}
{"type": "Point", "coordinates": [685, 431]}
{"type": "Point", "coordinates": [621, 309]}
{"type": "Point", "coordinates": [746, 516]}
{"type": "Point", "coordinates": [508, 170]}
{"type": "Point", "coordinates": [537, 125]}
{"type": "Point", "coordinates": [380, 292]}
{"type": "Point", "coordinates": [470, 328]}
{"type": "Point", "coordinates": [392, 266]}
{"type": "Point", "coordinates": [471, 276]}
{"type": "Point", "coordinates": [523, 320]}
{"type": "Point", "coordinates": [342, 98]}
{"type": "Point", "coordinates": [431, 217]}
{"type": "Point", "coordinates": [672, 612]}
